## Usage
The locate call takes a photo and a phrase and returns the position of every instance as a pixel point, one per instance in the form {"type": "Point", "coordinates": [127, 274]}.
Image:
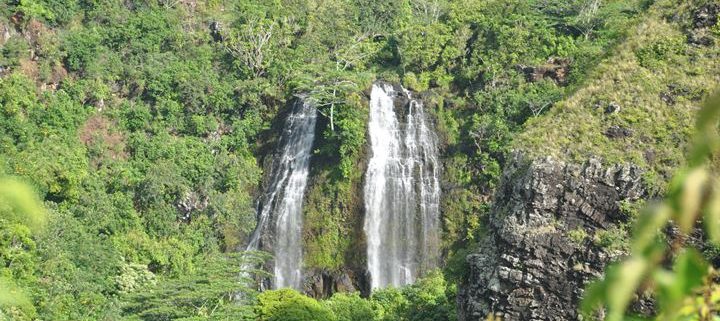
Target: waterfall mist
{"type": "Point", "coordinates": [402, 190]}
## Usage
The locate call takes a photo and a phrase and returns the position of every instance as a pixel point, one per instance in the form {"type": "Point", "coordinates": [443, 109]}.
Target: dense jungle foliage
{"type": "Point", "coordinates": [133, 135]}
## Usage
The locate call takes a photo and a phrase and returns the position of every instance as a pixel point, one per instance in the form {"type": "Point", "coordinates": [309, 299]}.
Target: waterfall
{"type": "Point", "coordinates": [402, 190]}
{"type": "Point", "coordinates": [283, 198]}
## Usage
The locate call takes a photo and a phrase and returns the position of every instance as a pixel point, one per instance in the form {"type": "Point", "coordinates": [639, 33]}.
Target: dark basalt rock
{"type": "Point", "coordinates": [706, 16]}
{"type": "Point", "coordinates": [321, 284]}
{"type": "Point", "coordinates": [703, 18]}
{"type": "Point", "coordinates": [556, 69]}
{"type": "Point", "coordinates": [700, 38]}
{"type": "Point", "coordinates": [612, 108]}
{"type": "Point", "coordinates": [618, 132]}
{"type": "Point", "coordinates": [216, 31]}
{"type": "Point", "coordinates": [675, 91]}
{"type": "Point", "coordinates": [527, 267]}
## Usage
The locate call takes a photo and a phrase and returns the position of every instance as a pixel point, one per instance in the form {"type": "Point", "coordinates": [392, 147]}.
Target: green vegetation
{"type": "Point", "coordinates": [208, 294]}
{"type": "Point", "coordinates": [141, 128]}
{"type": "Point", "coordinates": [128, 126]}
{"type": "Point", "coordinates": [686, 289]}
{"type": "Point", "coordinates": [505, 63]}
{"type": "Point", "coordinates": [350, 307]}
{"type": "Point", "coordinates": [429, 299]}
{"type": "Point", "coordinates": [651, 86]}
{"type": "Point", "coordinates": [578, 235]}
{"type": "Point", "coordinates": [647, 92]}
{"type": "Point", "coordinates": [21, 216]}
{"type": "Point", "coordinates": [287, 304]}
{"type": "Point", "coordinates": [487, 67]}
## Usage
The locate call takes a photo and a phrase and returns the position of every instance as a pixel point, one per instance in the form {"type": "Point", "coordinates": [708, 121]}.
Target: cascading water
{"type": "Point", "coordinates": [402, 191]}
{"type": "Point", "coordinates": [283, 198]}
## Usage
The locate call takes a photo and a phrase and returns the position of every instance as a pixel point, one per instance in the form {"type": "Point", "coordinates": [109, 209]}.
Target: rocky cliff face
{"type": "Point", "coordinates": [322, 284]}
{"type": "Point", "coordinates": [528, 267]}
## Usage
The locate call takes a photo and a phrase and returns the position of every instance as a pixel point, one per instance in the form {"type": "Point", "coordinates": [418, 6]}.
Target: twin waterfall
{"type": "Point", "coordinates": [283, 198]}
{"type": "Point", "coordinates": [402, 191]}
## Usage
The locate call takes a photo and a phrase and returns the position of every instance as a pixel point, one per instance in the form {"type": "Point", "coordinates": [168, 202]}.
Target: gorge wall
{"type": "Point", "coordinates": [534, 263]}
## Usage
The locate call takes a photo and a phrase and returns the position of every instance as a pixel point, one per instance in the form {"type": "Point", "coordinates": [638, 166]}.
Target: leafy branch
{"type": "Point", "coordinates": [210, 293]}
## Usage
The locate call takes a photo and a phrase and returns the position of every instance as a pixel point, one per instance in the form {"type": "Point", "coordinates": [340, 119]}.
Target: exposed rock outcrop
{"type": "Point", "coordinates": [5, 33]}
{"type": "Point", "coordinates": [529, 267]}
{"type": "Point", "coordinates": [618, 132]}
{"type": "Point", "coordinates": [321, 284]}
{"type": "Point", "coordinates": [703, 19]}
{"type": "Point", "coordinates": [706, 16]}
{"type": "Point", "coordinates": [556, 69]}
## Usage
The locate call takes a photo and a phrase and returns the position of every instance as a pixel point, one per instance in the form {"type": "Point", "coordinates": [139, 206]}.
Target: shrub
{"type": "Point", "coordinates": [429, 300]}
{"type": "Point", "coordinates": [420, 46]}
{"type": "Point", "coordinates": [658, 53]}
{"type": "Point", "coordinates": [289, 305]}
{"type": "Point", "coordinates": [578, 235]}
{"type": "Point", "coordinates": [81, 48]}
{"type": "Point", "coordinates": [12, 51]}
{"type": "Point", "coordinates": [350, 307]}
{"type": "Point", "coordinates": [389, 304]}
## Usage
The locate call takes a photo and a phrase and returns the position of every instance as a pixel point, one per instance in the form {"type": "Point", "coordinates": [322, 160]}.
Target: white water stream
{"type": "Point", "coordinates": [402, 190]}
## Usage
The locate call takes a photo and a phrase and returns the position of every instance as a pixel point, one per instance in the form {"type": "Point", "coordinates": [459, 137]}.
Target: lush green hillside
{"type": "Point", "coordinates": [143, 127]}
{"type": "Point", "coordinates": [640, 105]}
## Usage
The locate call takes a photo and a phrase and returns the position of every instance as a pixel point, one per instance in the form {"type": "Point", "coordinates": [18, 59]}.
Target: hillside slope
{"type": "Point", "coordinates": [147, 128]}
{"type": "Point", "coordinates": [580, 172]}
